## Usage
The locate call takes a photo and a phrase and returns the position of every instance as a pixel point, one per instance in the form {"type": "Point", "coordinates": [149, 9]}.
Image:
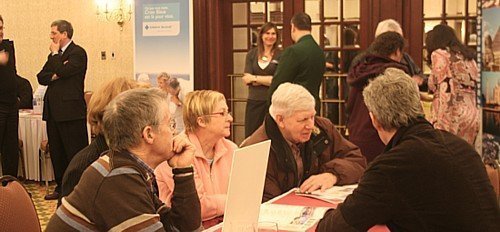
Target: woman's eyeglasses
{"type": "Point", "coordinates": [222, 113]}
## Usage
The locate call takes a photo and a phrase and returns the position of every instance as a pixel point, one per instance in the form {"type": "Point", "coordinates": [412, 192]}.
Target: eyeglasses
{"type": "Point", "coordinates": [222, 113]}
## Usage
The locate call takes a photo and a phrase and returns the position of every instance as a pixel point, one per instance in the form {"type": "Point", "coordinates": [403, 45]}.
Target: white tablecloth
{"type": "Point", "coordinates": [32, 130]}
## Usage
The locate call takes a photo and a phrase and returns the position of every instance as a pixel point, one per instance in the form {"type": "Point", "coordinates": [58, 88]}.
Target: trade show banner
{"type": "Point", "coordinates": [163, 41]}
{"type": "Point", "coordinates": [490, 78]}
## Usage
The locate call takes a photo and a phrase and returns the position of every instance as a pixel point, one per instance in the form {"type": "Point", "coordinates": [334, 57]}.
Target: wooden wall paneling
{"type": "Point", "coordinates": [209, 46]}
{"type": "Point", "coordinates": [290, 7]}
{"type": "Point", "coordinates": [407, 12]}
{"type": "Point", "coordinates": [369, 11]}
{"type": "Point", "coordinates": [413, 27]}
{"type": "Point", "coordinates": [200, 48]}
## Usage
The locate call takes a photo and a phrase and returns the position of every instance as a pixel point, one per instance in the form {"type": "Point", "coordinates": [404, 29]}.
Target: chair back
{"type": "Point", "coordinates": [87, 95]}
{"type": "Point", "coordinates": [17, 211]}
{"type": "Point", "coordinates": [494, 175]}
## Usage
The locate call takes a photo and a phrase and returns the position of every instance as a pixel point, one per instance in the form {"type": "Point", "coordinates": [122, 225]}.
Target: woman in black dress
{"type": "Point", "coordinates": [261, 63]}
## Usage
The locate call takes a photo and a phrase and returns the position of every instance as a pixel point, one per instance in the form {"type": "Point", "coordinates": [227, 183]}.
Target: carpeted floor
{"type": "Point", "coordinates": [44, 208]}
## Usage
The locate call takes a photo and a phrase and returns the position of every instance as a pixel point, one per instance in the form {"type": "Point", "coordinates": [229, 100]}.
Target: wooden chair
{"type": "Point", "coordinates": [44, 159]}
{"type": "Point", "coordinates": [21, 159]}
{"type": "Point", "coordinates": [17, 211]}
{"type": "Point", "coordinates": [494, 175]}
{"type": "Point", "coordinates": [87, 96]}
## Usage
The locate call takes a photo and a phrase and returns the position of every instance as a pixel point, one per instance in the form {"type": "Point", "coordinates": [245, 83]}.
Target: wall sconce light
{"type": "Point", "coordinates": [119, 11]}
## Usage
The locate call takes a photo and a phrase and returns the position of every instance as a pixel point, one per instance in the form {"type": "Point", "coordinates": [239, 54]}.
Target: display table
{"type": "Point", "coordinates": [32, 130]}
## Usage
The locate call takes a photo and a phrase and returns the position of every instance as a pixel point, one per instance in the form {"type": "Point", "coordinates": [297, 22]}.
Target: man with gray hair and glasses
{"type": "Point", "coordinates": [306, 151]}
{"type": "Point", "coordinates": [118, 192]}
{"type": "Point", "coordinates": [425, 180]}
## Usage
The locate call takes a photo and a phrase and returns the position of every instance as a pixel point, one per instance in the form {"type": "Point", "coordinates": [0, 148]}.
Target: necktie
{"type": "Point", "coordinates": [60, 52]}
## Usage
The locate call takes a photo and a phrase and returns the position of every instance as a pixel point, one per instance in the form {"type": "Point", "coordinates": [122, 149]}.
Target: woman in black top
{"type": "Point", "coordinates": [261, 63]}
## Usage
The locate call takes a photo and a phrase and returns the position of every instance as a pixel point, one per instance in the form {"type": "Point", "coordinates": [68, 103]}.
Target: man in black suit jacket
{"type": "Point", "coordinates": [64, 105]}
{"type": "Point", "coordinates": [9, 116]}
{"type": "Point", "coordinates": [302, 63]}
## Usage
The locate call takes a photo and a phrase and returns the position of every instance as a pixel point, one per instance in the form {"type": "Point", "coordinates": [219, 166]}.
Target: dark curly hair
{"type": "Point", "coordinates": [387, 43]}
{"type": "Point", "coordinates": [443, 37]}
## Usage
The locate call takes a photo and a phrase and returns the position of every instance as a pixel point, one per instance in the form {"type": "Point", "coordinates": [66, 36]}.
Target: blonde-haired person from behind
{"type": "Point", "coordinates": [162, 80]}
{"type": "Point", "coordinates": [95, 110]}
{"type": "Point", "coordinates": [207, 123]}
{"type": "Point", "coordinates": [176, 97]}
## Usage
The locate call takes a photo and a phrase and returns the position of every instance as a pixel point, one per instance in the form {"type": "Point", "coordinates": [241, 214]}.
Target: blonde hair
{"type": "Point", "coordinates": [289, 98]}
{"type": "Point", "coordinates": [163, 75]}
{"type": "Point", "coordinates": [388, 25]}
{"type": "Point", "coordinates": [393, 99]}
{"type": "Point", "coordinates": [101, 98]}
{"type": "Point", "coordinates": [197, 104]}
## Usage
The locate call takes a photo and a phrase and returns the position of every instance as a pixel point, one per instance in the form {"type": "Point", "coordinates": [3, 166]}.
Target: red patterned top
{"type": "Point", "coordinates": [453, 81]}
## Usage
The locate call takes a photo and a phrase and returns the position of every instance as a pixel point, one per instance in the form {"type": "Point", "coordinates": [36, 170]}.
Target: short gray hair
{"type": "Point", "coordinates": [388, 25]}
{"type": "Point", "coordinates": [393, 99]}
{"type": "Point", "coordinates": [63, 26]}
{"type": "Point", "coordinates": [129, 113]}
{"type": "Point", "coordinates": [289, 98]}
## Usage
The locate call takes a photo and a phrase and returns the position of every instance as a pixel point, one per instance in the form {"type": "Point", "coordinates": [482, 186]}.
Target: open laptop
{"type": "Point", "coordinates": [246, 186]}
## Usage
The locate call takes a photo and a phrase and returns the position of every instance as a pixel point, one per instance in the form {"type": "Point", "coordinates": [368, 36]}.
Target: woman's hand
{"type": "Point", "coordinates": [248, 78]}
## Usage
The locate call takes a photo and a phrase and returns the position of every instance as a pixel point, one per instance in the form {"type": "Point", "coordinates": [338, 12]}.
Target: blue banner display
{"type": "Point", "coordinates": [490, 79]}
{"type": "Point", "coordinates": [163, 40]}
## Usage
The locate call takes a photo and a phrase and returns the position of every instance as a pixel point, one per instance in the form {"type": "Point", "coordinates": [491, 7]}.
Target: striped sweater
{"type": "Point", "coordinates": [115, 194]}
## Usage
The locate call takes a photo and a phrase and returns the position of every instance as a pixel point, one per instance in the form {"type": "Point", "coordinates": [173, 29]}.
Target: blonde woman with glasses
{"type": "Point", "coordinates": [207, 124]}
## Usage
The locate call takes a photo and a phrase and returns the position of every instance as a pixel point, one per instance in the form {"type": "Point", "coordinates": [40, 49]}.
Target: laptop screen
{"type": "Point", "coordinates": [246, 186]}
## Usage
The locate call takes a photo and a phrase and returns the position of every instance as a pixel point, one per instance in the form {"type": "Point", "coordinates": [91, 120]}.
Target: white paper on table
{"type": "Point", "coordinates": [334, 195]}
{"type": "Point", "coordinates": [291, 217]}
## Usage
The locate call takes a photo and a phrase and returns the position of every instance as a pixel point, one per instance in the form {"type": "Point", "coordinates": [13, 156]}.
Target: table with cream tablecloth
{"type": "Point", "coordinates": [32, 130]}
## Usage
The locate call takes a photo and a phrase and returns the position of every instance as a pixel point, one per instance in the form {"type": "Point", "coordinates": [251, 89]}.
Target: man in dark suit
{"type": "Point", "coordinates": [9, 116]}
{"type": "Point", "coordinates": [302, 63]}
{"type": "Point", "coordinates": [64, 105]}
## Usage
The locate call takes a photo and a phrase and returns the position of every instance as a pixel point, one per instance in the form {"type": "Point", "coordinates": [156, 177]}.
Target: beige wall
{"type": "Point", "coordinates": [28, 22]}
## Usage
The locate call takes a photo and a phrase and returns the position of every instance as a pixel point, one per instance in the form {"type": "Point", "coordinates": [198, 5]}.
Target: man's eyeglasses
{"type": "Point", "coordinates": [222, 113]}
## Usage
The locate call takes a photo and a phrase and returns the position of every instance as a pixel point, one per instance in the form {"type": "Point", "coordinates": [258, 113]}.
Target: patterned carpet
{"type": "Point", "coordinates": [44, 208]}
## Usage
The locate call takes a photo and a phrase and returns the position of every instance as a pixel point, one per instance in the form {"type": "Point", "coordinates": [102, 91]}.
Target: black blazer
{"type": "Point", "coordinates": [64, 99]}
{"type": "Point", "coordinates": [8, 84]}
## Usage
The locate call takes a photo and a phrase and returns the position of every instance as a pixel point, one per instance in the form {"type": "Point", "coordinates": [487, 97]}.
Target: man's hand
{"type": "Point", "coordinates": [418, 79]}
{"type": "Point", "coordinates": [54, 47]}
{"type": "Point", "coordinates": [4, 57]}
{"type": "Point", "coordinates": [322, 181]}
{"type": "Point", "coordinates": [183, 151]}
{"type": "Point", "coordinates": [54, 77]}
{"type": "Point", "coordinates": [328, 65]}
